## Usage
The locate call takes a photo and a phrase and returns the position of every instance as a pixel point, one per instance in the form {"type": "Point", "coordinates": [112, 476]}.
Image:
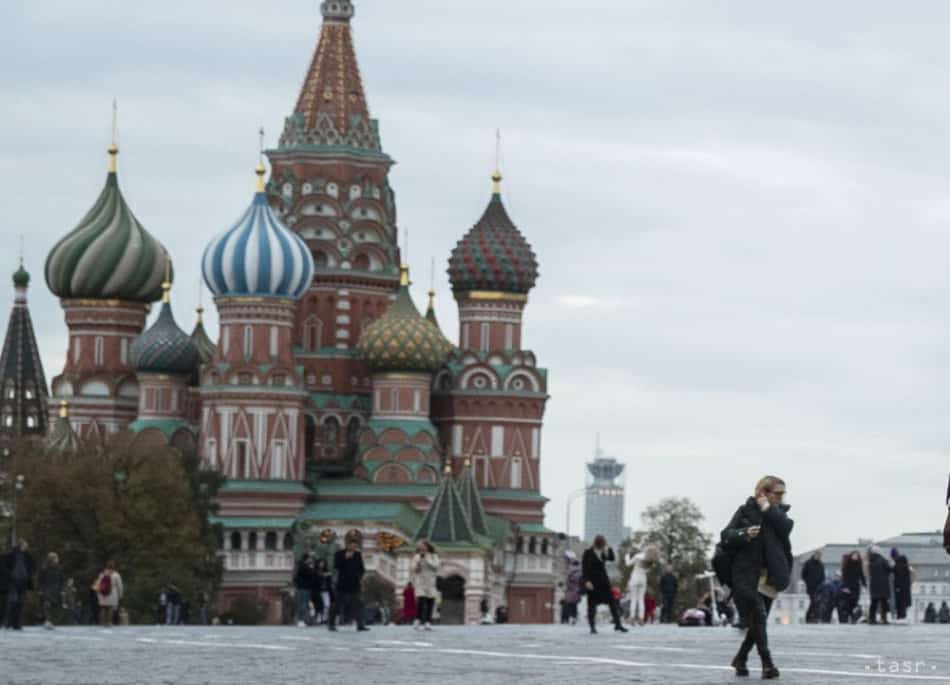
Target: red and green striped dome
{"type": "Point", "coordinates": [493, 255]}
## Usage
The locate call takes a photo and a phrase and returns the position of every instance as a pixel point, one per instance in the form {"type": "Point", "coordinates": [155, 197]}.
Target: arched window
{"type": "Point", "coordinates": [252, 541]}
{"type": "Point", "coordinates": [544, 546]}
{"type": "Point", "coordinates": [236, 540]}
{"type": "Point", "coordinates": [312, 334]}
{"type": "Point", "coordinates": [533, 546]}
{"type": "Point", "coordinates": [270, 541]}
{"type": "Point", "coordinates": [361, 262]}
{"type": "Point", "coordinates": [331, 432]}
{"type": "Point", "coordinates": [320, 258]}
{"type": "Point", "coordinates": [98, 350]}
{"type": "Point", "coordinates": [288, 541]}
{"type": "Point", "coordinates": [519, 545]}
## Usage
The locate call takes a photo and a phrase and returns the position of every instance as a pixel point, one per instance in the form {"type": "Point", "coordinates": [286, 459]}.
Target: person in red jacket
{"type": "Point", "coordinates": [408, 604]}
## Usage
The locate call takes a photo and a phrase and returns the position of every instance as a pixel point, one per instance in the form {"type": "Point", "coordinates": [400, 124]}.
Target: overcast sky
{"type": "Point", "coordinates": [741, 210]}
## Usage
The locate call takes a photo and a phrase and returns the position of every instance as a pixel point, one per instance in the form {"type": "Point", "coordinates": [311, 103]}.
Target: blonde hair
{"type": "Point", "coordinates": [767, 484]}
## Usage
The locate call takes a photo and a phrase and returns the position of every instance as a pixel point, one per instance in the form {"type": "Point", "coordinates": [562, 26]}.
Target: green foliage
{"type": "Point", "coordinates": [674, 525]}
{"type": "Point", "coordinates": [145, 508]}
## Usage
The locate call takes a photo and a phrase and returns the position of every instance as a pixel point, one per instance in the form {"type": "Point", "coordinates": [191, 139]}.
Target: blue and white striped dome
{"type": "Point", "coordinates": [258, 256]}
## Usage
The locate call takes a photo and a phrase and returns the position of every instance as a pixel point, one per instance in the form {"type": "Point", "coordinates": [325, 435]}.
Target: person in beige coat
{"type": "Point", "coordinates": [109, 590]}
{"type": "Point", "coordinates": [424, 572]}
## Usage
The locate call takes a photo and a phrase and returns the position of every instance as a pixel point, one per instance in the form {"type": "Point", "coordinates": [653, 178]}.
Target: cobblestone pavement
{"type": "Point", "coordinates": [471, 654]}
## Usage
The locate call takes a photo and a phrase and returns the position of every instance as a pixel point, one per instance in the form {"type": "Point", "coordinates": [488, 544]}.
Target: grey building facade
{"type": "Point", "coordinates": [604, 501]}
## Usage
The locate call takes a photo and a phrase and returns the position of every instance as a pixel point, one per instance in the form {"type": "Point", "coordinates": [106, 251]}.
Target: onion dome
{"type": "Point", "coordinates": [164, 347]}
{"type": "Point", "coordinates": [493, 255]}
{"type": "Point", "coordinates": [62, 437]}
{"type": "Point", "coordinates": [201, 340]}
{"type": "Point", "coordinates": [109, 255]}
{"type": "Point", "coordinates": [402, 339]}
{"type": "Point", "coordinates": [21, 277]}
{"type": "Point", "coordinates": [258, 255]}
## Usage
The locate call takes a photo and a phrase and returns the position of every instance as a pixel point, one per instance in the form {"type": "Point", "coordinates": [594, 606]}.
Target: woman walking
{"type": "Point", "coordinates": [642, 564]}
{"type": "Point", "coordinates": [52, 585]}
{"type": "Point", "coordinates": [109, 591]}
{"type": "Point", "coordinates": [425, 568]}
{"type": "Point", "coordinates": [852, 578]}
{"type": "Point", "coordinates": [903, 579]}
{"type": "Point", "coordinates": [758, 536]}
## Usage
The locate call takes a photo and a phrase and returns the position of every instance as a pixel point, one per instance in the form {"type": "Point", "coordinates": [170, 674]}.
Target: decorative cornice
{"type": "Point", "coordinates": [491, 296]}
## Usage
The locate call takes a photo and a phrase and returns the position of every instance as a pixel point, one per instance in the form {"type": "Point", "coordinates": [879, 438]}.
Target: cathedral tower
{"type": "Point", "coordinates": [106, 272]}
{"type": "Point", "coordinates": [22, 382]}
{"type": "Point", "coordinates": [330, 184]}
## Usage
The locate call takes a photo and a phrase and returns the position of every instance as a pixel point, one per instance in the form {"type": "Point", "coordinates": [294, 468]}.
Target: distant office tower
{"type": "Point", "coordinates": [603, 510]}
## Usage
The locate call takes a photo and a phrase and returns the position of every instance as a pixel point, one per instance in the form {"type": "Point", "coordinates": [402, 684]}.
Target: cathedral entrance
{"type": "Point", "coordinates": [452, 608]}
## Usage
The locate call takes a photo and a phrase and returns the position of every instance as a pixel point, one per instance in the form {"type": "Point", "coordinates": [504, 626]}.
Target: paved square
{"type": "Point", "coordinates": [471, 654]}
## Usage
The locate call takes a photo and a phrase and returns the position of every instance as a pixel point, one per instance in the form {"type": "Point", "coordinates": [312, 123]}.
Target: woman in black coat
{"type": "Point", "coordinates": [597, 583]}
{"type": "Point", "coordinates": [902, 582]}
{"type": "Point", "coordinates": [879, 569]}
{"type": "Point", "coordinates": [758, 536]}
{"type": "Point", "coordinates": [852, 578]}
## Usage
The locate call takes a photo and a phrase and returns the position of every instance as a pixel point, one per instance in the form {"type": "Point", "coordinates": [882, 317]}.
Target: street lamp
{"type": "Point", "coordinates": [570, 498]}
{"type": "Point", "coordinates": [17, 488]}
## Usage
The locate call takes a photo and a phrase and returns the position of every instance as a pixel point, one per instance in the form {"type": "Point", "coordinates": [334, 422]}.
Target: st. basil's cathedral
{"type": "Point", "coordinates": [329, 402]}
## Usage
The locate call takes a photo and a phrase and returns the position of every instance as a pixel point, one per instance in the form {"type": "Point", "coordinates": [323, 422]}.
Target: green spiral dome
{"type": "Point", "coordinates": [109, 255]}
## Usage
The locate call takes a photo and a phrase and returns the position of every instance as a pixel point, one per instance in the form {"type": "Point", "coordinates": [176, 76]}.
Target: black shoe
{"type": "Point", "coordinates": [331, 627]}
{"type": "Point", "coordinates": [740, 665]}
{"type": "Point", "coordinates": [362, 628]}
{"type": "Point", "coordinates": [593, 630]}
{"type": "Point", "coordinates": [770, 672]}
{"type": "Point", "coordinates": [620, 629]}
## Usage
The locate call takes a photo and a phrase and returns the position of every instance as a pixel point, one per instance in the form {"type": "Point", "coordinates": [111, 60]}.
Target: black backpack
{"type": "Point", "coordinates": [722, 564]}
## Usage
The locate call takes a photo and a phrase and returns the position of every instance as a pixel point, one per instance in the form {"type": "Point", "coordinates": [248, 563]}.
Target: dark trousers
{"type": "Point", "coordinates": [15, 608]}
{"type": "Point", "coordinates": [424, 607]}
{"type": "Point", "coordinates": [878, 603]}
{"type": "Point", "coordinates": [3, 609]}
{"type": "Point", "coordinates": [666, 612]}
{"type": "Point", "coordinates": [350, 604]}
{"type": "Point", "coordinates": [755, 616]}
{"type": "Point", "coordinates": [811, 616]}
{"type": "Point", "coordinates": [592, 610]}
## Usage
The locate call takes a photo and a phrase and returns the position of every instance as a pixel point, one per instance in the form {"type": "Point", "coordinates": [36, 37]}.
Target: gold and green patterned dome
{"type": "Point", "coordinates": [402, 339]}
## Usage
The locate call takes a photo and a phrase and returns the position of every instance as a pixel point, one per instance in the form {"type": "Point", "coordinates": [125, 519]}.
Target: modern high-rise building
{"type": "Point", "coordinates": [603, 502]}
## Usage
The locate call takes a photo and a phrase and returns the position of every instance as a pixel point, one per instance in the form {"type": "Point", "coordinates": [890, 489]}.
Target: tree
{"type": "Point", "coordinates": [674, 526]}
{"type": "Point", "coordinates": [145, 507]}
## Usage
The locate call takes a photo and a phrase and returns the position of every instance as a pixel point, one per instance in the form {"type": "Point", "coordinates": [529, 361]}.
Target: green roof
{"type": "Point", "coordinates": [356, 486]}
{"type": "Point", "coordinates": [472, 501]}
{"type": "Point", "coordinates": [287, 486]}
{"type": "Point", "coordinates": [506, 493]}
{"type": "Point", "coordinates": [251, 522]}
{"type": "Point", "coordinates": [167, 426]}
{"type": "Point", "coordinates": [320, 400]}
{"type": "Point", "coordinates": [400, 514]}
{"type": "Point", "coordinates": [537, 528]}
{"type": "Point", "coordinates": [446, 521]}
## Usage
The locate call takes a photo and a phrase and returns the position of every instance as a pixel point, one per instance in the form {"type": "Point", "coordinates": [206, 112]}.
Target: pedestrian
{"type": "Point", "coordinates": [758, 535]}
{"type": "Point", "coordinates": [20, 566]}
{"type": "Point", "coordinates": [52, 584]}
{"type": "Point", "coordinates": [348, 563]}
{"type": "Point", "coordinates": [668, 587]}
{"type": "Point", "coordinates": [572, 590]}
{"type": "Point", "coordinates": [879, 573]}
{"type": "Point", "coordinates": [641, 563]}
{"type": "Point", "coordinates": [71, 602]}
{"type": "Point", "coordinates": [826, 598]}
{"type": "Point", "coordinates": [852, 580]}
{"type": "Point", "coordinates": [424, 569]}
{"type": "Point", "coordinates": [943, 616]}
{"type": "Point", "coordinates": [903, 579]}
{"type": "Point", "coordinates": [597, 583]}
{"type": "Point", "coordinates": [409, 603]}
{"type": "Point", "coordinates": [305, 578]}
{"type": "Point", "coordinates": [649, 608]}
{"type": "Point", "coordinates": [109, 592]}
{"type": "Point", "coordinates": [173, 605]}
{"type": "Point", "coordinates": [324, 590]}
{"type": "Point", "coordinates": [930, 613]}
{"type": "Point", "coordinates": [813, 573]}
{"type": "Point", "coordinates": [202, 608]}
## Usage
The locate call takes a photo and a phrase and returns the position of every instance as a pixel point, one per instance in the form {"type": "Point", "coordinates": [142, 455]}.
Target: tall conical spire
{"type": "Point", "coordinates": [430, 310]}
{"type": "Point", "coordinates": [22, 381]}
{"type": "Point", "coordinates": [446, 521]}
{"type": "Point", "coordinates": [331, 108]}
{"type": "Point", "coordinates": [472, 500]}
